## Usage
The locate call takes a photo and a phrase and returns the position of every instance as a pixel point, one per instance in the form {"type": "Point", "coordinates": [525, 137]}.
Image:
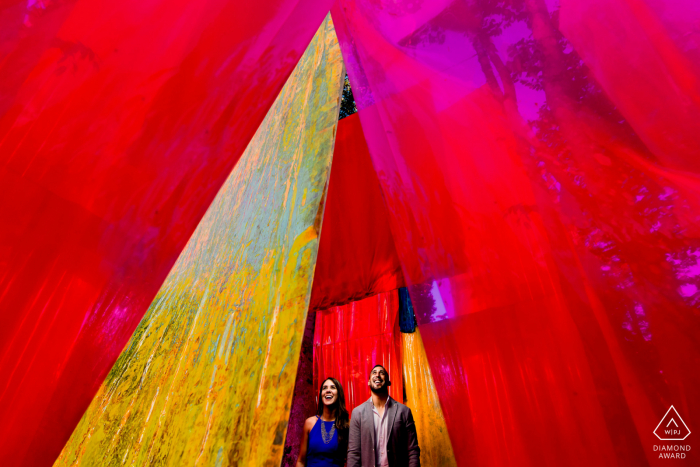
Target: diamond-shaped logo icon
{"type": "Point", "coordinates": [672, 427]}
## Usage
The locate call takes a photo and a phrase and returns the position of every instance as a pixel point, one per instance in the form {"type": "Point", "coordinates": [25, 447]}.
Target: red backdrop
{"type": "Point", "coordinates": [356, 257]}
{"type": "Point", "coordinates": [538, 161]}
{"type": "Point", "coordinates": [350, 339]}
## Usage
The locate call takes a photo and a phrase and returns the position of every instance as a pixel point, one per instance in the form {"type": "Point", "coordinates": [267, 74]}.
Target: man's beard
{"type": "Point", "coordinates": [381, 391]}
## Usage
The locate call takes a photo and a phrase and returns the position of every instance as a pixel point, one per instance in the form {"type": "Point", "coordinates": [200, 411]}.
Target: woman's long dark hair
{"type": "Point", "coordinates": [342, 418]}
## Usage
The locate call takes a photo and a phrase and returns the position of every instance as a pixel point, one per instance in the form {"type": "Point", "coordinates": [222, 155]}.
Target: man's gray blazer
{"type": "Point", "coordinates": [402, 445]}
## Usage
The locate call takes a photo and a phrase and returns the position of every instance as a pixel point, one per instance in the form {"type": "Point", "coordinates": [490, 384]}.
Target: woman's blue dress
{"type": "Point", "coordinates": [320, 454]}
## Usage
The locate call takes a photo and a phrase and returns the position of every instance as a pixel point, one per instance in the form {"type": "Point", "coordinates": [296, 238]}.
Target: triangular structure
{"type": "Point", "coordinates": [672, 427]}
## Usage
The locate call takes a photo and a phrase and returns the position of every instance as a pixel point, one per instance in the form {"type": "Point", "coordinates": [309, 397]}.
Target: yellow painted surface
{"type": "Point", "coordinates": [208, 376]}
{"type": "Point", "coordinates": [433, 439]}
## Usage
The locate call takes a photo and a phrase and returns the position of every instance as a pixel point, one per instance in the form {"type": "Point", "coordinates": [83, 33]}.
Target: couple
{"type": "Point", "coordinates": [380, 434]}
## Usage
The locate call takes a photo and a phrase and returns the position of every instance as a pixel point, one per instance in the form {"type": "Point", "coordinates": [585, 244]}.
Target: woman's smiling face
{"type": "Point", "coordinates": [329, 392]}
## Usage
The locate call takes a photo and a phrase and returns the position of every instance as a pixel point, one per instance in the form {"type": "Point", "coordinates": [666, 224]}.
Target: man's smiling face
{"type": "Point", "coordinates": [378, 379]}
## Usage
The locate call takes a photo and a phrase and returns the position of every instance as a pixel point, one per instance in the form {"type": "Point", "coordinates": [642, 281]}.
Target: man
{"type": "Point", "coordinates": [382, 432]}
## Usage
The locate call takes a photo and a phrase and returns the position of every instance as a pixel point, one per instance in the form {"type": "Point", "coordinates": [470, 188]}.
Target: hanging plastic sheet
{"type": "Point", "coordinates": [207, 378]}
{"type": "Point", "coordinates": [350, 339]}
{"type": "Point", "coordinates": [422, 399]}
{"type": "Point", "coordinates": [119, 122]}
{"type": "Point", "coordinates": [357, 257]}
{"type": "Point", "coordinates": [657, 43]}
{"type": "Point", "coordinates": [544, 213]}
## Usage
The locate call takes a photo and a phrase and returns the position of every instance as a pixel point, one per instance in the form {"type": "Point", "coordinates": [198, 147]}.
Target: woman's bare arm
{"type": "Point", "coordinates": [308, 425]}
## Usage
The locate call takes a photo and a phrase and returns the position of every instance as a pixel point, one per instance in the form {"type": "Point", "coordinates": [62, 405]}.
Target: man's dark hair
{"type": "Point", "coordinates": [388, 378]}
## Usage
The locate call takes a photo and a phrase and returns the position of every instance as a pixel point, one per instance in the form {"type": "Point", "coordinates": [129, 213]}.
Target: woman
{"type": "Point", "coordinates": [325, 439]}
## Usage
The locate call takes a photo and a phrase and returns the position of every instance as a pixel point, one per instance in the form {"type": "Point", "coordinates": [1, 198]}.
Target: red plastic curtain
{"type": "Point", "coordinates": [357, 257]}
{"type": "Point", "coordinates": [350, 339]}
{"type": "Point", "coordinates": [119, 121]}
{"type": "Point", "coordinates": [539, 164]}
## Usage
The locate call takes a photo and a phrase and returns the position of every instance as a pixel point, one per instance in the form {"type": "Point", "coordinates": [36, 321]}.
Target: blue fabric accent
{"type": "Point", "coordinates": [319, 453]}
{"type": "Point", "coordinates": [407, 319]}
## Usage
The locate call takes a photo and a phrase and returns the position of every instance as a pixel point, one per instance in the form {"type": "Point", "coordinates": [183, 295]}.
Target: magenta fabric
{"type": "Point", "coordinates": [539, 164]}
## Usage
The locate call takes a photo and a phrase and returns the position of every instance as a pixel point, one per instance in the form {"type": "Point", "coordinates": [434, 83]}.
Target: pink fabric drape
{"type": "Point", "coordinates": [539, 166]}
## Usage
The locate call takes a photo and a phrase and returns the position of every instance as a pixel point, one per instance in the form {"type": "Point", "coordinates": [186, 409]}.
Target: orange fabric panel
{"type": "Point", "coordinates": [422, 398]}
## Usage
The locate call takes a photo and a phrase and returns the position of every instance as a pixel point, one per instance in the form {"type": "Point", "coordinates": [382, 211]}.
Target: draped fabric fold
{"type": "Point", "coordinates": [537, 160]}
{"type": "Point", "coordinates": [357, 257]}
